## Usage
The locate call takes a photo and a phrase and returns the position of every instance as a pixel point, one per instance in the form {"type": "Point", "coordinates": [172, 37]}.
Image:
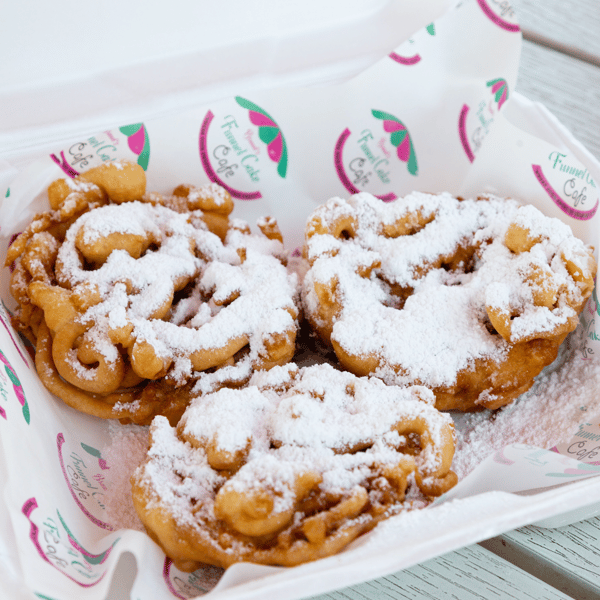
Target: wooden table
{"type": "Point", "coordinates": [560, 67]}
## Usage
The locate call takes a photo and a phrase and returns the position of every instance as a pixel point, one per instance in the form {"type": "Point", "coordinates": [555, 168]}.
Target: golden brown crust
{"type": "Point", "coordinates": [372, 263]}
{"type": "Point", "coordinates": [87, 310]}
{"type": "Point", "coordinates": [316, 458]}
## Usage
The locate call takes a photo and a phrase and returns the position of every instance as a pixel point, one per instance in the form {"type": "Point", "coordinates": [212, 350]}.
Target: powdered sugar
{"type": "Point", "coordinates": [449, 258]}
{"type": "Point", "coordinates": [563, 396]}
{"type": "Point", "coordinates": [127, 450]}
{"type": "Point", "coordinates": [284, 435]}
{"type": "Point", "coordinates": [287, 424]}
{"type": "Point", "coordinates": [207, 191]}
{"type": "Point", "coordinates": [178, 475]}
{"type": "Point", "coordinates": [325, 408]}
{"type": "Point", "coordinates": [79, 185]}
{"type": "Point", "coordinates": [237, 291]}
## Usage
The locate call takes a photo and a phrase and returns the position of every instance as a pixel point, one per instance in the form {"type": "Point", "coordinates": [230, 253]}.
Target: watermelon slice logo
{"type": "Point", "coordinates": [499, 20]}
{"type": "Point", "coordinates": [400, 139]}
{"type": "Point", "coordinates": [56, 544]}
{"type": "Point", "coordinates": [88, 557]}
{"type": "Point", "coordinates": [96, 454]}
{"type": "Point", "coordinates": [138, 142]}
{"type": "Point", "coordinates": [18, 389]}
{"type": "Point", "coordinates": [594, 300]}
{"type": "Point", "coordinates": [81, 480]}
{"type": "Point", "coordinates": [500, 90]}
{"type": "Point", "coordinates": [414, 58]}
{"type": "Point", "coordinates": [580, 215]}
{"type": "Point", "coordinates": [269, 133]}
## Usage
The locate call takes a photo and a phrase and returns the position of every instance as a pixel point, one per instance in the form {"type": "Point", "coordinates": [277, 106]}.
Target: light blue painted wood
{"type": "Point", "coordinates": [472, 573]}
{"type": "Point", "coordinates": [568, 87]}
{"type": "Point", "coordinates": [573, 26]}
{"type": "Point", "coordinates": [566, 557]}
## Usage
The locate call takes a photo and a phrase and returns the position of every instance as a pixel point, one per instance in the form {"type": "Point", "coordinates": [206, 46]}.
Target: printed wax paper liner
{"type": "Point", "coordinates": [430, 116]}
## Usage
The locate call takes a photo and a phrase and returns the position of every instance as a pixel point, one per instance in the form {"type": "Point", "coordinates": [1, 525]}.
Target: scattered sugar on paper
{"type": "Point", "coordinates": [127, 449]}
{"type": "Point", "coordinates": [564, 395]}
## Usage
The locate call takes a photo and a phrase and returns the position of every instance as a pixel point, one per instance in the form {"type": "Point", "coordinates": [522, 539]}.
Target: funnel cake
{"type": "Point", "coordinates": [132, 303]}
{"type": "Point", "coordinates": [291, 468]}
{"type": "Point", "coordinates": [471, 298]}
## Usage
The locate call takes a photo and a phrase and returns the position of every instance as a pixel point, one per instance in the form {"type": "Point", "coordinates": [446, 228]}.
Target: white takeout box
{"type": "Point", "coordinates": [167, 104]}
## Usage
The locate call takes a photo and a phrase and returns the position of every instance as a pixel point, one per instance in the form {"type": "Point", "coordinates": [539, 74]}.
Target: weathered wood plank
{"type": "Point", "coordinates": [572, 26]}
{"type": "Point", "coordinates": [567, 557]}
{"type": "Point", "coordinates": [568, 87]}
{"type": "Point", "coordinates": [472, 573]}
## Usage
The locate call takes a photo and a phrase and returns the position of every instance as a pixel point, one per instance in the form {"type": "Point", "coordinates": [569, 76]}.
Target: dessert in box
{"type": "Point", "coordinates": [319, 458]}
{"type": "Point", "coordinates": [133, 300]}
{"type": "Point", "coordinates": [141, 305]}
{"type": "Point", "coordinates": [349, 490]}
{"type": "Point", "coordinates": [471, 298]}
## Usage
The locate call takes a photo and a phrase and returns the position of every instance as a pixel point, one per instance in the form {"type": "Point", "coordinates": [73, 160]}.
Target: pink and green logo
{"type": "Point", "coordinates": [376, 162]}
{"type": "Point", "coordinates": [500, 90]}
{"type": "Point", "coordinates": [475, 125]}
{"type": "Point", "coordinates": [399, 138]}
{"type": "Point", "coordinates": [17, 387]}
{"type": "Point", "coordinates": [107, 146]}
{"type": "Point", "coordinates": [568, 189]}
{"type": "Point", "coordinates": [85, 479]}
{"type": "Point", "coordinates": [138, 142]}
{"type": "Point", "coordinates": [501, 14]}
{"type": "Point", "coordinates": [269, 133]}
{"type": "Point", "coordinates": [580, 470]}
{"type": "Point", "coordinates": [96, 454]}
{"type": "Point", "coordinates": [414, 58]}
{"type": "Point", "coordinates": [56, 544]}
